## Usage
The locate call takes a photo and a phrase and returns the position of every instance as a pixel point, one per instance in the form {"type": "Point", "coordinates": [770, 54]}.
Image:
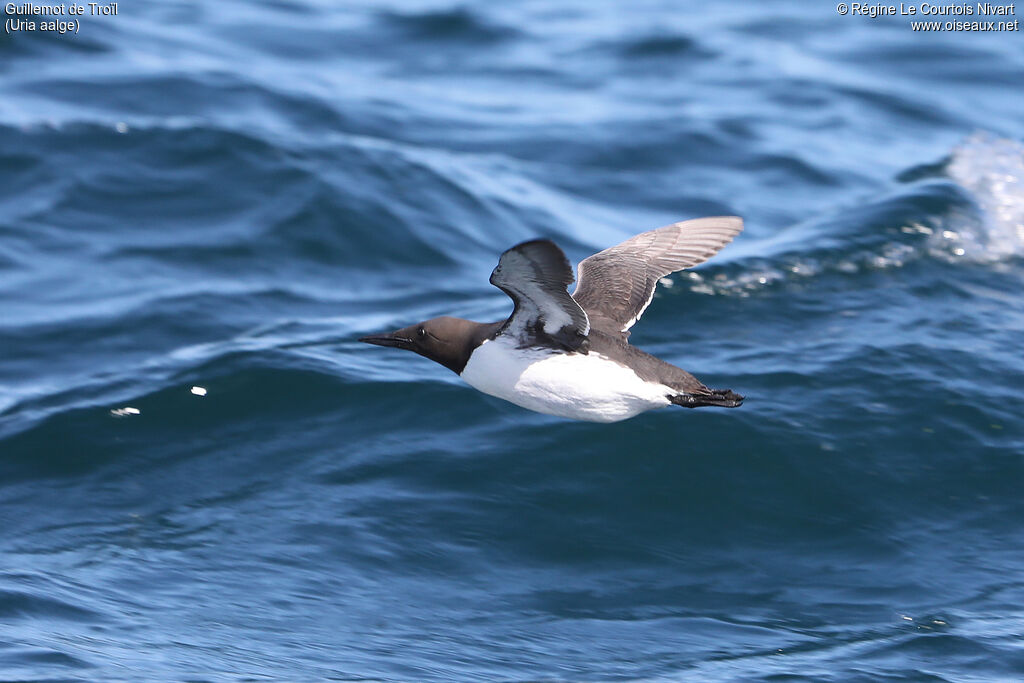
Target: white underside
{"type": "Point", "coordinates": [578, 386]}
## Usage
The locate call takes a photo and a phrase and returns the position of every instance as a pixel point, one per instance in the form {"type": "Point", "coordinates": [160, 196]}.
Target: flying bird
{"type": "Point", "coordinates": [569, 355]}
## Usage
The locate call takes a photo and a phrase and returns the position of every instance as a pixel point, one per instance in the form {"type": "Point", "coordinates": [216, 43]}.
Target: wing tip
{"type": "Point", "coordinates": [541, 248]}
{"type": "Point", "coordinates": [731, 224]}
{"type": "Point", "coordinates": [548, 249]}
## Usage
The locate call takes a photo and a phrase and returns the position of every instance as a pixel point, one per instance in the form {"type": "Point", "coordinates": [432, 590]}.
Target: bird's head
{"type": "Point", "coordinates": [448, 341]}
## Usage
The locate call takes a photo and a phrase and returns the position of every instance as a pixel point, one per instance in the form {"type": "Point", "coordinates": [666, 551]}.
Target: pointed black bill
{"type": "Point", "coordinates": [390, 339]}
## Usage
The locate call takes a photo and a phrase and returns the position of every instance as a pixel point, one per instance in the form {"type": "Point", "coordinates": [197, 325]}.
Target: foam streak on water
{"type": "Point", "coordinates": [203, 476]}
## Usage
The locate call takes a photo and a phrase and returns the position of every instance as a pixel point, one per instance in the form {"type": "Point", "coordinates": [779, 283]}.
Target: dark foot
{"type": "Point", "coordinates": [723, 398]}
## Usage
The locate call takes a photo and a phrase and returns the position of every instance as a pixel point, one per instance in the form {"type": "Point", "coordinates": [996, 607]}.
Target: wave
{"type": "Point", "coordinates": [968, 209]}
{"type": "Point", "coordinates": [965, 210]}
{"type": "Point", "coordinates": [447, 27]}
{"type": "Point", "coordinates": [328, 201]}
{"type": "Point", "coordinates": [991, 169]}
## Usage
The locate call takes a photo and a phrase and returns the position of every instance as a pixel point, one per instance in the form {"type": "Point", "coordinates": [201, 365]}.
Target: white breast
{"type": "Point", "coordinates": [582, 387]}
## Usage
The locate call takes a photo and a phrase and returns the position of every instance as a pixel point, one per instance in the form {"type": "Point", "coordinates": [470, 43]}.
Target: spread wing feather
{"type": "Point", "coordinates": [535, 275]}
{"type": "Point", "coordinates": [616, 285]}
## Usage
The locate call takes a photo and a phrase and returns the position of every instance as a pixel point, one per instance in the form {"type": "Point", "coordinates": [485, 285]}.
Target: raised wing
{"type": "Point", "coordinates": [535, 274]}
{"type": "Point", "coordinates": [616, 285]}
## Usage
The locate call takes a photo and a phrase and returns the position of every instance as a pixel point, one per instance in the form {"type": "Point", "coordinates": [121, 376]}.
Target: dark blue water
{"type": "Point", "coordinates": [226, 195]}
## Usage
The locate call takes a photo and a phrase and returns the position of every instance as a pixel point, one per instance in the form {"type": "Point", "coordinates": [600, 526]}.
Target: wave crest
{"type": "Point", "coordinates": [991, 169]}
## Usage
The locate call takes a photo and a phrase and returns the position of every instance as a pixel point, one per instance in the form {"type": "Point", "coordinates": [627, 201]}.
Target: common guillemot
{"type": "Point", "coordinates": [569, 355]}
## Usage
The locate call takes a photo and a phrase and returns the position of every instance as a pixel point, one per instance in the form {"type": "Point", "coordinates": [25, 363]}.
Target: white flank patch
{"type": "Point", "coordinates": [581, 387]}
{"type": "Point", "coordinates": [538, 304]}
{"type": "Point", "coordinates": [199, 391]}
{"type": "Point", "coordinates": [555, 318]}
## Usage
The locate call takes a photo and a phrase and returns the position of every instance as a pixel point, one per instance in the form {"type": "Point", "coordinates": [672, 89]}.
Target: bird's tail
{"type": "Point", "coordinates": [725, 398]}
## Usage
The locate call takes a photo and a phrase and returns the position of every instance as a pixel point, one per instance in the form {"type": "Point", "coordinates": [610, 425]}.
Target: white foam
{"type": "Point", "coordinates": [126, 411]}
{"type": "Point", "coordinates": [991, 169]}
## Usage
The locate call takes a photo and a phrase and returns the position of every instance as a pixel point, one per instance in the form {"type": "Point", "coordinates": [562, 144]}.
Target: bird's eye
{"type": "Point", "coordinates": [421, 332]}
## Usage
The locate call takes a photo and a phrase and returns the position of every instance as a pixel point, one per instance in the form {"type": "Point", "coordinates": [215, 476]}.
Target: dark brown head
{"type": "Point", "coordinates": [448, 341]}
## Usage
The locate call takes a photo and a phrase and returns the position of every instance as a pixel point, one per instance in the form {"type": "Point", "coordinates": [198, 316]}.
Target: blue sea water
{"type": "Point", "coordinates": [227, 195]}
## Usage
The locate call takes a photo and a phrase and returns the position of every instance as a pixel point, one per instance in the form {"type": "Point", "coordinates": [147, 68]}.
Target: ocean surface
{"type": "Point", "coordinates": [204, 477]}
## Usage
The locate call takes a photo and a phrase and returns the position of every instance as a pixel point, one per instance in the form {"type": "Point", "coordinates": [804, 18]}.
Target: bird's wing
{"type": "Point", "coordinates": [616, 285]}
{"type": "Point", "coordinates": [535, 274]}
